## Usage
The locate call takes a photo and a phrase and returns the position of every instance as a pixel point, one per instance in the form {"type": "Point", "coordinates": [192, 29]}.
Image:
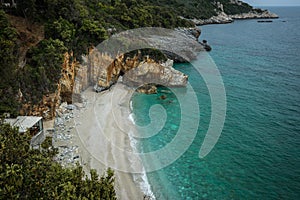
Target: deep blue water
{"type": "Point", "coordinates": [257, 155]}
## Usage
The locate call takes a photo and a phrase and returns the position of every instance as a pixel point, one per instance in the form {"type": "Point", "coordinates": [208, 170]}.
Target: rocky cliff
{"type": "Point", "coordinates": [101, 69]}
{"type": "Point", "coordinates": [149, 71]}
{"type": "Point", "coordinates": [47, 106]}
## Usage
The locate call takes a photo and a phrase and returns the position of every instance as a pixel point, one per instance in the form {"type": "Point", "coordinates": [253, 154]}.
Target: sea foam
{"type": "Point", "coordinates": [139, 178]}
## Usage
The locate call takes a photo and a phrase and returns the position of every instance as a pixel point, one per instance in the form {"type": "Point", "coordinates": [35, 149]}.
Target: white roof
{"type": "Point", "coordinates": [23, 122]}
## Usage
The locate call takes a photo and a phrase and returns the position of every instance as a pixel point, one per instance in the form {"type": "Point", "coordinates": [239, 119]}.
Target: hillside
{"type": "Point", "coordinates": [39, 38]}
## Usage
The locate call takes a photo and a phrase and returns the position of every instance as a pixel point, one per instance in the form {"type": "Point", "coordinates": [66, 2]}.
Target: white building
{"type": "Point", "coordinates": [31, 123]}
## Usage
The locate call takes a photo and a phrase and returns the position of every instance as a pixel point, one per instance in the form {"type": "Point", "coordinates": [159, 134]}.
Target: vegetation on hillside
{"type": "Point", "coordinates": [75, 26]}
{"type": "Point", "coordinates": [71, 25]}
{"type": "Point", "coordinates": [199, 9]}
{"type": "Point", "coordinates": [232, 9]}
{"type": "Point", "coordinates": [8, 66]}
{"type": "Point", "coordinates": [30, 67]}
{"type": "Point", "coordinates": [27, 173]}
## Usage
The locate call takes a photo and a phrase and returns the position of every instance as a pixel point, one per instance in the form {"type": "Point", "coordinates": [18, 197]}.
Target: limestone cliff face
{"type": "Point", "coordinates": [47, 106]}
{"type": "Point", "coordinates": [101, 70]}
{"type": "Point", "coordinates": [150, 72]}
{"type": "Point", "coordinates": [97, 68]}
{"type": "Point", "coordinates": [66, 82]}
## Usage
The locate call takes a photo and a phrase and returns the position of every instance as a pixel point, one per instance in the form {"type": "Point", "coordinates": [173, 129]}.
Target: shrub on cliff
{"type": "Point", "coordinates": [8, 66]}
{"type": "Point", "coordinates": [232, 9]}
{"type": "Point", "coordinates": [32, 174]}
{"type": "Point", "coordinates": [43, 69]}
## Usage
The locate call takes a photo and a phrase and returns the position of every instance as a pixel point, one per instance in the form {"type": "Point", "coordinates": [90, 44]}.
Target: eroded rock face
{"type": "Point", "coordinates": [102, 70]}
{"type": "Point", "coordinates": [150, 72]}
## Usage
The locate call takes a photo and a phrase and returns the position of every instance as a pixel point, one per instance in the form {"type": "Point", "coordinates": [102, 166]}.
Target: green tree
{"type": "Point", "coordinates": [32, 174]}
{"type": "Point", "coordinates": [8, 66]}
{"type": "Point", "coordinates": [42, 71]}
{"type": "Point", "coordinates": [63, 30]}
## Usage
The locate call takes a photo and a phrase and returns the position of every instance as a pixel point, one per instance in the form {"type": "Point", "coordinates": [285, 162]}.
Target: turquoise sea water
{"type": "Point", "coordinates": [257, 155]}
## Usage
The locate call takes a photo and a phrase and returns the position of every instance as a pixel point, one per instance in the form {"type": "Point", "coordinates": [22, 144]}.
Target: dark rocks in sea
{"type": "Point", "coordinates": [163, 97]}
{"type": "Point", "coordinates": [206, 46]}
{"type": "Point", "coordinates": [147, 89]}
{"type": "Point", "coordinates": [193, 33]}
{"type": "Point", "coordinates": [264, 21]}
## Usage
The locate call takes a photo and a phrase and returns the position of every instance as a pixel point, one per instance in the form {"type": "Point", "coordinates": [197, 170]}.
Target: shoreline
{"type": "Point", "coordinates": [95, 137]}
{"type": "Point", "coordinates": [223, 18]}
{"type": "Point", "coordinates": [104, 140]}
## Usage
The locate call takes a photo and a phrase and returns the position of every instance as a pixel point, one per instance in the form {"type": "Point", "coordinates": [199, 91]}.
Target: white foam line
{"type": "Point", "coordinates": [131, 107]}
{"type": "Point", "coordinates": [142, 178]}
{"type": "Point", "coordinates": [131, 118]}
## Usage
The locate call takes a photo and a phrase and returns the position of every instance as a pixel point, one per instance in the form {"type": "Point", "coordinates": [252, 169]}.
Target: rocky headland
{"type": "Point", "coordinates": [223, 18]}
{"type": "Point", "coordinates": [104, 66]}
{"type": "Point", "coordinates": [265, 14]}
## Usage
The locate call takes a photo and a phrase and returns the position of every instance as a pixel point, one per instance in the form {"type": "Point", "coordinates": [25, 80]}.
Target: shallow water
{"type": "Point", "coordinates": [257, 155]}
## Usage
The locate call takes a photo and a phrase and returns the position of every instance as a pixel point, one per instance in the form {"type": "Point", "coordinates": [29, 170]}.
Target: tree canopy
{"type": "Point", "coordinates": [28, 173]}
{"type": "Point", "coordinates": [8, 66]}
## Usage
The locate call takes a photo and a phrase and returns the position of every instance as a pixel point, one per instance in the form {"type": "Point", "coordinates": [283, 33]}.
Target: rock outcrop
{"type": "Point", "coordinates": [223, 18]}
{"type": "Point", "coordinates": [255, 15]}
{"type": "Point", "coordinates": [103, 72]}
{"type": "Point", "coordinates": [101, 69]}
{"type": "Point", "coordinates": [149, 71]}
{"type": "Point", "coordinates": [147, 89]}
{"type": "Point", "coordinates": [180, 45]}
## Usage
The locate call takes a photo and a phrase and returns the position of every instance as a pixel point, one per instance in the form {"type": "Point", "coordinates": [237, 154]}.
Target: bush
{"type": "Point", "coordinates": [32, 174]}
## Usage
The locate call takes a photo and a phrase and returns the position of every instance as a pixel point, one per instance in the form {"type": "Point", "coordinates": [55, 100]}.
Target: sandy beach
{"type": "Point", "coordinates": [101, 134]}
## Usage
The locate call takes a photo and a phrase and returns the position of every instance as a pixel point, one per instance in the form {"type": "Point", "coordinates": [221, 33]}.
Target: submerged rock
{"type": "Point", "coordinates": [163, 97]}
{"type": "Point", "coordinates": [147, 89]}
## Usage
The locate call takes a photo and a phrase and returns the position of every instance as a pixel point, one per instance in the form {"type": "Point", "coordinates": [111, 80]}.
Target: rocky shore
{"type": "Point", "coordinates": [223, 18]}
{"type": "Point", "coordinates": [255, 15]}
